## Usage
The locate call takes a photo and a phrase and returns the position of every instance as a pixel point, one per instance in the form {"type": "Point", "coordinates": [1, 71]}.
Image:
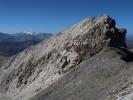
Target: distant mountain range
{"type": "Point", "coordinates": [14, 43]}
{"type": "Point", "coordinates": [23, 36]}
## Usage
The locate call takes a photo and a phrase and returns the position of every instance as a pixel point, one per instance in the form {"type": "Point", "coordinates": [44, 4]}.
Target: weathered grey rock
{"type": "Point", "coordinates": [35, 69]}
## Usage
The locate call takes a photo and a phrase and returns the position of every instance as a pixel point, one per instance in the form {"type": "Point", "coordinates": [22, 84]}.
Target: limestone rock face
{"type": "Point", "coordinates": [36, 68]}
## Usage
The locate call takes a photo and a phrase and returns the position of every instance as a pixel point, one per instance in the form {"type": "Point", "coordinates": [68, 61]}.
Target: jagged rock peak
{"type": "Point", "coordinates": [43, 64]}
{"type": "Point", "coordinates": [103, 26]}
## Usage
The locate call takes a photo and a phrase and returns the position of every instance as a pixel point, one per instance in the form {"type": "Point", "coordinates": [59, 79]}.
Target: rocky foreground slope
{"type": "Point", "coordinates": [88, 61]}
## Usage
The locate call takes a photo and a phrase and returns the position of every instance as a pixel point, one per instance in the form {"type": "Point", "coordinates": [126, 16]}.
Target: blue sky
{"type": "Point", "coordinates": [57, 15]}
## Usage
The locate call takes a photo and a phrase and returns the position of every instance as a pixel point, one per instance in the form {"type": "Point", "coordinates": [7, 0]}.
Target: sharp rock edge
{"type": "Point", "coordinates": [27, 73]}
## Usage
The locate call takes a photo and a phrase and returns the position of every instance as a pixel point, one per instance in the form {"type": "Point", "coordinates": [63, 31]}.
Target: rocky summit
{"type": "Point", "coordinates": [88, 61]}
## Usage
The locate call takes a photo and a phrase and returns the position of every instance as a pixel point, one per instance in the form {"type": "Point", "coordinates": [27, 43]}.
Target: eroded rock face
{"type": "Point", "coordinates": [38, 67]}
{"type": "Point", "coordinates": [117, 37]}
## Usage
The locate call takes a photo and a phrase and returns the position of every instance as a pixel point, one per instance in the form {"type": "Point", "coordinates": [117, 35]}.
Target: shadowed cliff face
{"type": "Point", "coordinates": [38, 67]}
{"type": "Point", "coordinates": [116, 37]}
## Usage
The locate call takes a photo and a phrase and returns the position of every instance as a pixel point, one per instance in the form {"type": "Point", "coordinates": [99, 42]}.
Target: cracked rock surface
{"type": "Point", "coordinates": [37, 68]}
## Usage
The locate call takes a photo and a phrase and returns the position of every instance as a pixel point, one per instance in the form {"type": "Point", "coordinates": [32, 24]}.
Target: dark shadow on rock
{"type": "Point", "coordinates": [128, 57]}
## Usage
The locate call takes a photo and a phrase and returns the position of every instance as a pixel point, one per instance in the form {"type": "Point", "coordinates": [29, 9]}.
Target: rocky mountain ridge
{"type": "Point", "coordinates": [37, 68]}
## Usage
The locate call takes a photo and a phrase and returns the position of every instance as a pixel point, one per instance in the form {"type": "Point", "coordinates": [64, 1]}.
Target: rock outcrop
{"type": "Point", "coordinates": [36, 68]}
